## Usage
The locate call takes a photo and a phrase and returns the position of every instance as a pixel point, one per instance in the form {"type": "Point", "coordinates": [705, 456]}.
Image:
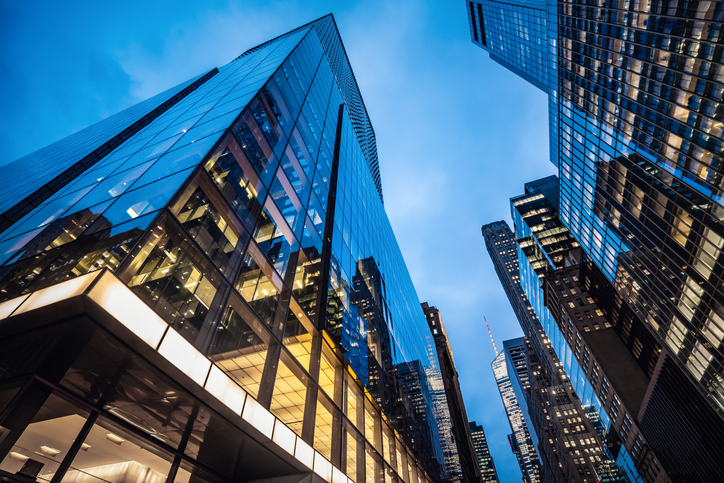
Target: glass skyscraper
{"type": "Point", "coordinates": [206, 287]}
{"type": "Point", "coordinates": [520, 439]}
{"type": "Point", "coordinates": [635, 94]}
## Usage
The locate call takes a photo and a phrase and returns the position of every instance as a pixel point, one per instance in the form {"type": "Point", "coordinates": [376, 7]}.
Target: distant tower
{"type": "Point", "coordinates": [482, 452]}
{"type": "Point", "coordinates": [463, 459]}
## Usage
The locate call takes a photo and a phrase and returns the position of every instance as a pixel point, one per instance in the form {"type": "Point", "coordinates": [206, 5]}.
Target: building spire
{"type": "Point", "coordinates": [491, 336]}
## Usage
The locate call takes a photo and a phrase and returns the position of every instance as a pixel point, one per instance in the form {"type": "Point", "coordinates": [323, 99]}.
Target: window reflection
{"type": "Point", "coordinates": [372, 425]}
{"type": "Point", "coordinates": [297, 335]}
{"type": "Point", "coordinates": [63, 231]}
{"type": "Point", "coordinates": [354, 453]}
{"type": "Point", "coordinates": [174, 280]}
{"type": "Point", "coordinates": [44, 443]}
{"type": "Point", "coordinates": [113, 454]}
{"type": "Point", "coordinates": [237, 180]}
{"type": "Point", "coordinates": [290, 392]}
{"type": "Point", "coordinates": [306, 280]}
{"type": "Point", "coordinates": [330, 374]}
{"type": "Point", "coordinates": [99, 247]}
{"type": "Point", "coordinates": [323, 426]}
{"type": "Point", "coordinates": [287, 202]}
{"type": "Point", "coordinates": [274, 103]}
{"type": "Point", "coordinates": [262, 108]}
{"type": "Point", "coordinates": [214, 234]}
{"type": "Point", "coordinates": [274, 238]}
{"type": "Point", "coordinates": [300, 151]}
{"type": "Point", "coordinates": [259, 285]}
{"type": "Point", "coordinates": [252, 141]}
{"type": "Point", "coordinates": [240, 346]}
{"type": "Point", "coordinates": [374, 468]}
{"type": "Point", "coordinates": [388, 443]}
{"type": "Point", "coordinates": [354, 404]}
{"type": "Point", "coordinates": [293, 169]}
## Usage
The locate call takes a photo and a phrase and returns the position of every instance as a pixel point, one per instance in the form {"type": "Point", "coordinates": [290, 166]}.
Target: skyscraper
{"type": "Point", "coordinates": [520, 440]}
{"type": "Point", "coordinates": [460, 456]}
{"type": "Point", "coordinates": [560, 421]}
{"type": "Point", "coordinates": [635, 94]}
{"type": "Point", "coordinates": [482, 452]}
{"type": "Point", "coordinates": [206, 288]}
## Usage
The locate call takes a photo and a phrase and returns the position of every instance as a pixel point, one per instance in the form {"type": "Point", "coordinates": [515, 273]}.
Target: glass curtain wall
{"type": "Point", "coordinates": [215, 214]}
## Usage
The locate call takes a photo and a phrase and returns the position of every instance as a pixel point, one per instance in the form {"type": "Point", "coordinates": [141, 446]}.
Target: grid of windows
{"type": "Point", "coordinates": [248, 218]}
{"type": "Point", "coordinates": [524, 447]}
{"type": "Point", "coordinates": [640, 151]}
{"type": "Point", "coordinates": [635, 111]}
{"type": "Point", "coordinates": [485, 461]}
{"type": "Point", "coordinates": [515, 34]}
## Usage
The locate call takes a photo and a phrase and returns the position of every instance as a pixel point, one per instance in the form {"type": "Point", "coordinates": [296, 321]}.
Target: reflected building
{"type": "Point", "coordinates": [416, 383]}
{"type": "Point", "coordinates": [482, 454]}
{"type": "Point", "coordinates": [520, 439]}
{"type": "Point", "coordinates": [460, 459]}
{"type": "Point", "coordinates": [635, 108]}
{"type": "Point", "coordinates": [206, 288]}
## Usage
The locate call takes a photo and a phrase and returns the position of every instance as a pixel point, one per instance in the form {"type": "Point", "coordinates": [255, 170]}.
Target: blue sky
{"type": "Point", "coordinates": [457, 134]}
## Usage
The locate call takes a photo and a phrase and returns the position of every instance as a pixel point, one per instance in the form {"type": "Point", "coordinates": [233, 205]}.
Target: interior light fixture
{"type": "Point", "coordinates": [85, 446]}
{"type": "Point", "coordinates": [114, 438]}
{"type": "Point", "coordinates": [49, 450]}
{"type": "Point", "coordinates": [18, 456]}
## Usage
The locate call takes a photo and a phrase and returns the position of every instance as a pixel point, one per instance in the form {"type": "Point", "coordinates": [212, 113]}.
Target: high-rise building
{"type": "Point", "coordinates": [482, 452]}
{"type": "Point", "coordinates": [635, 94]}
{"type": "Point", "coordinates": [559, 421]}
{"type": "Point", "coordinates": [518, 375]}
{"type": "Point", "coordinates": [206, 288]}
{"type": "Point", "coordinates": [460, 460]}
{"type": "Point", "coordinates": [520, 440]}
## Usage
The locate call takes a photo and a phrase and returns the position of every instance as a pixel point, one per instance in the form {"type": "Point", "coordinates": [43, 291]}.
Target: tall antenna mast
{"type": "Point", "coordinates": [491, 336]}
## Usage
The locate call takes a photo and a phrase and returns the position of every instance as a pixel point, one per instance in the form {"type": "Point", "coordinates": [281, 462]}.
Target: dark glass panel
{"type": "Point", "coordinates": [45, 438]}
{"type": "Point", "coordinates": [252, 141]}
{"type": "Point", "coordinates": [237, 180]}
{"type": "Point", "coordinates": [259, 285]}
{"type": "Point", "coordinates": [173, 278]}
{"type": "Point", "coordinates": [240, 346]}
{"type": "Point", "coordinates": [216, 236]}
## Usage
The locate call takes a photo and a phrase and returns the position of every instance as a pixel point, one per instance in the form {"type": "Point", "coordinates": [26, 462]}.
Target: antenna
{"type": "Point", "coordinates": [491, 336]}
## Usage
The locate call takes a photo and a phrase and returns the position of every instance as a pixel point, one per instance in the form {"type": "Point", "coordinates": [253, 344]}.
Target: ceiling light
{"type": "Point", "coordinates": [49, 450]}
{"type": "Point", "coordinates": [18, 456]}
{"type": "Point", "coordinates": [85, 446]}
{"type": "Point", "coordinates": [114, 438]}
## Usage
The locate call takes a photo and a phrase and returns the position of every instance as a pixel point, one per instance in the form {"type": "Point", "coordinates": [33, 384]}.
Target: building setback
{"type": "Point", "coordinates": [559, 414]}
{"type": "Point", "coordinates": [206, 288]}
{"type": "Point", "coordinates": [482, 452]}
{"type": "Point", "coordinates": [463, 457]}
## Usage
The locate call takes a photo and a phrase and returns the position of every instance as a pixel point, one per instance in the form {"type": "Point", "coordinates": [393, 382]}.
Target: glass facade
{"type": "Point", "coordinates": [521, 441]}
{"type": "Point", "coordinates": [635, 122]}
{"type": "Point", "coordinates": [247, 216]}
{"type": "Point", "coordinates": [514, 34]}
{"type": "Point", "coordinates": [564, 425]}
